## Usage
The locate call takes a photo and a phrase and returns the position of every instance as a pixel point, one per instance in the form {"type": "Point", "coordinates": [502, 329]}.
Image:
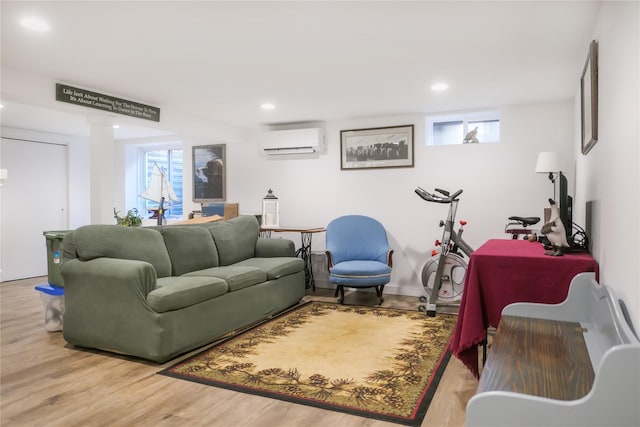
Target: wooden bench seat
{"type": "Point", "coordinates": [574, 363]}
{"type": "Point", "coordinates": [552, 359]}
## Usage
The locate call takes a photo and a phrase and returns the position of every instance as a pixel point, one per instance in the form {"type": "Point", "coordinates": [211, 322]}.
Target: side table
{"type": "Point", "coordinates": [502, 272]}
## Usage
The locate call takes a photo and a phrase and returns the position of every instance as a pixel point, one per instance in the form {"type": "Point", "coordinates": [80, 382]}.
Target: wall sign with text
{"type": "Point", "coordinates": [87, 98]}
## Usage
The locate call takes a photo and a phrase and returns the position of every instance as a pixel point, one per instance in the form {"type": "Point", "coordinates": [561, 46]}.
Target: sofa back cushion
{"type": "Point", "coordinates": [190, 247]}
{"type": "Point", "coordinates": [236, 238]}
{"type": "Point", "coordinates": [116, 241]}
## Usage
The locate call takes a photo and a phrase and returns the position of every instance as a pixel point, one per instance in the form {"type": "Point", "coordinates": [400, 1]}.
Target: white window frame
{"type": "Point", "coordinates": [465, 118]}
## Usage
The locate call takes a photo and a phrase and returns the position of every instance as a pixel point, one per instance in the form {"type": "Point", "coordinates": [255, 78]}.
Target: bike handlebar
{"type": "Point", "coordinates": [431, 197]}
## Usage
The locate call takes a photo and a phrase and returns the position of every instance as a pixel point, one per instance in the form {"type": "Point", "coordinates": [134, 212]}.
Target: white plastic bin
{"type": "Point", "coordinates": [53, 300]}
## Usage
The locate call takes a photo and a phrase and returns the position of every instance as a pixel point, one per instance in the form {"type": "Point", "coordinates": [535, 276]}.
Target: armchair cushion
{"type": "Point", "coordinates": [360, 273]}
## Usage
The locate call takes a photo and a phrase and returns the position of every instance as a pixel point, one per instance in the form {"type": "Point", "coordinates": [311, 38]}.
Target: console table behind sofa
{"type": "Point", "coordinates": [573, 363]}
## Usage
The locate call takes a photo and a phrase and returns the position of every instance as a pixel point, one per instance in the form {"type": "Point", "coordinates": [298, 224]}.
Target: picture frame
{"type": "Point", "coordinates": [589, 99]}
{"type": "Point", "coordinates": [209, 173]}
{"type": "Point", "coordinates": [381, 147]}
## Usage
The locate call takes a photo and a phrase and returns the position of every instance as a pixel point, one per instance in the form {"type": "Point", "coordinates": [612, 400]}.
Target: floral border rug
{"type": "Point", "coordinates": [374, 362]}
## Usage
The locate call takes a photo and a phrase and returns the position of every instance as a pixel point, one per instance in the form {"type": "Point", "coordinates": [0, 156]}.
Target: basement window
{"type": "Point", "coordinates": [452, 130]}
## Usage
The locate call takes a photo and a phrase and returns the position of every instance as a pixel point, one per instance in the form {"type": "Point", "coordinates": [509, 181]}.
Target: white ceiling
{"type": "Point", "coordinates": [317, 61]}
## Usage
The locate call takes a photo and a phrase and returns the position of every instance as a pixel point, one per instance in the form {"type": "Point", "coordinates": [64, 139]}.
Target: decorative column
{"type": "Point", "coordinates": [102, 163]}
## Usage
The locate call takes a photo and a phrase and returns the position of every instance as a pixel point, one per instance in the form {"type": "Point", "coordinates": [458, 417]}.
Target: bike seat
{"type": "Point", "coordinates": [525, 220]}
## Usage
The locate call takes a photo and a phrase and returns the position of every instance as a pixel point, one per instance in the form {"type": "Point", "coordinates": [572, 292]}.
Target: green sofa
{"type": "Point", "coordinates": [159, 292]}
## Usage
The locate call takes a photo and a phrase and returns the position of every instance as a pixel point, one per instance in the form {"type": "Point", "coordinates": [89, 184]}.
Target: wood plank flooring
{"type": "Point", "coordinates": [46, 382]}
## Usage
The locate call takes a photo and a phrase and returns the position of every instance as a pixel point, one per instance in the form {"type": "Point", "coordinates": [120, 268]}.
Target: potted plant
{"type": "Point", "coordinates": [131, 219]}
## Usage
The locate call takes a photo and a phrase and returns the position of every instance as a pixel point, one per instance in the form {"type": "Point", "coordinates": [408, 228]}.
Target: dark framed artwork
{"type": "Point", "coordinates": [383, 147]}
{"type": "Point", "coordinates": [209, 173]}
{"type": "Point", "coordinates": [589, 99]}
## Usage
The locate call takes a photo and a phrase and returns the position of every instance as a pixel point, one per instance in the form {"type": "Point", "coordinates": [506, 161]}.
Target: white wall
{"type": "Point", "coordinates": [609, 174]}
{"type": "Point", "coordinates": [498, 181]}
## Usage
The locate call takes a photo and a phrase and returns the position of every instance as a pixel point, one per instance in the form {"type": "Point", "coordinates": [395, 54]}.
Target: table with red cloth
{"type": "Point", "coordinates": [502, 272]}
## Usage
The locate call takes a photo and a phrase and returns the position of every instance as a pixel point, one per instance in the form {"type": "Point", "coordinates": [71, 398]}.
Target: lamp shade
{"type": "Point", "coordinates": [548, 161]}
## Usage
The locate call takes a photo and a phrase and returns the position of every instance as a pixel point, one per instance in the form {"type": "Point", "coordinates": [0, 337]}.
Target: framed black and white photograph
{"type": "Point", "coordinates": [383, 147]}
{"type": "Point", "coordinates": [589, 99]}
{"type": "Point", "coordinates": [209, 173]}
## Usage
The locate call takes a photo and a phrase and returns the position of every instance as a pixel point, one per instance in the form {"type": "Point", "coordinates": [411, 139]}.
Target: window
{"type": "Point", "coordinates": [445, 133]}
{"type": "Point", "coordinates": [170, 162]}
{"type": "Point", "coordinates": [451, 130]}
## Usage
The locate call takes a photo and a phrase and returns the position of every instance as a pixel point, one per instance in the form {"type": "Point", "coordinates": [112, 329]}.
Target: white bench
{"type": "Point", "coordinates": [513, 391]}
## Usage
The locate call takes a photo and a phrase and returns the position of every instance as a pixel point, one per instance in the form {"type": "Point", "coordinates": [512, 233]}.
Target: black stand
{"type": "Point", "coordinates": [161, 211]}
{"type": "Point", "coordinates": [305, 253]}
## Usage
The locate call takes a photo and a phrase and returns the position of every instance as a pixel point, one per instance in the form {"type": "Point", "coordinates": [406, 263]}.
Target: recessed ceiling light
{"type": "Point", "coordinates": [438, 87]}
{"type": "Point", "coordinates": [268, 106]}
{"type": "Point", "coordinates": [116, 126]}
{"type": "Point", "coordinates": [35, 24]}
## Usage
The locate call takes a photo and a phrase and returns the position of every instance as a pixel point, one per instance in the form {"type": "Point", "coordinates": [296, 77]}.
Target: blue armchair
{"type": "Point", "coordinates": [358, 254]}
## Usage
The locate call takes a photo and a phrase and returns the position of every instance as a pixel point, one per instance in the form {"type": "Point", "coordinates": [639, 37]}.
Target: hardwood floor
{"type": "Point", "coordinates": [45, 382]}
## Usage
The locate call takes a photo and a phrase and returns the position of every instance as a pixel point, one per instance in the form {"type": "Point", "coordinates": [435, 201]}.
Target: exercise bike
{"type": "Point", "coordinates": [518, 226]}
{"type": "Point", "coordinates": [443, 274]}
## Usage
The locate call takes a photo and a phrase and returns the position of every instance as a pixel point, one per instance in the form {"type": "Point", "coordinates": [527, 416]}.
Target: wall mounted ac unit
{"type": "Point", "coordinates": [292, 141]}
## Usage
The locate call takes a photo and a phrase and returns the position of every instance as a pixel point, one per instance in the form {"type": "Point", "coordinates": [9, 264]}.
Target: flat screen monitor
{"type": "Point", "coordinates": [565, 206]}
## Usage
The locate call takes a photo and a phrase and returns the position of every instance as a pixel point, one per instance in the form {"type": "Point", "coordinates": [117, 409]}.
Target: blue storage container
{"type": "Point", "coordinates": [53, 300]}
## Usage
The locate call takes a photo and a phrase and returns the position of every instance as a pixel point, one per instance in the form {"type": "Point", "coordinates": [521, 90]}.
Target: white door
{"type": "Point", "coordinates": [33, 199]}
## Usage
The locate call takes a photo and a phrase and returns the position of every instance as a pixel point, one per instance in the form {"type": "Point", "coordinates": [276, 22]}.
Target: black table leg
{"type": "Point", "coordinates": [305, 253]}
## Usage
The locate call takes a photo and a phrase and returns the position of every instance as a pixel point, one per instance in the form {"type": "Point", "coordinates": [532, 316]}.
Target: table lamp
{"type": "Point", "coordinates": [548, 162]}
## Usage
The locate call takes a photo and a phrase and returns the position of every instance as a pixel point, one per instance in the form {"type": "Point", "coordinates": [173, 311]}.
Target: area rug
{"type": "Point", "coordinates": [372, 362]}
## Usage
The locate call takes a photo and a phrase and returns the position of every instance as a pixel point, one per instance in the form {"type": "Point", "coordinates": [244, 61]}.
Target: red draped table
{"type": "Point", "coordinates": [502, 272]}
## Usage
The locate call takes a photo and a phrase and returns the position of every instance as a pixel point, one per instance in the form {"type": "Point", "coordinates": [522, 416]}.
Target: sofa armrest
{"type": "Point", "coordinates": [68, 247]}
{"type": "Point", "coordinates": [110, 275]}
{"type": "Point", "coordinates": [106, 307]}
{"type": "Point", "coordinates": [268, 248]}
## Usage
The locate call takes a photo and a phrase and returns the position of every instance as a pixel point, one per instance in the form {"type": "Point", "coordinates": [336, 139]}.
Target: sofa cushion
{"type": "Point", "coordinates": [190, 248]}
{"type": "Point", "coordinates": [236, 238]}
{"type": "Point", "coordinates": [116, 241]}
{"type": "Point", "coordinates": [237, 277]}
{"type": "Point", "coordinates": [275, 267]}
{"type": "Point", "coordinates": [173, 293]}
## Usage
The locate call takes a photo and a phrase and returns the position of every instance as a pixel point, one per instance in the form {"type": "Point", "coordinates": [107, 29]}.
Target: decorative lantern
{"type": "Point", "coordinates": [270, 210]}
